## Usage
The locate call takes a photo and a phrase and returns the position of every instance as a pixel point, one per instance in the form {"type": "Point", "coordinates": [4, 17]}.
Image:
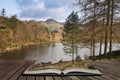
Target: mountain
{"type": "Point", "coordinates": [45, 29]}
{"type": "Point", "coordinates": [51, 21]}
{"type": "Point", "coordinates": [53, 25]}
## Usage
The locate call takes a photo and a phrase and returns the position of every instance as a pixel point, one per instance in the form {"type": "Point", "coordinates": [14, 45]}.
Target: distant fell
{"type": "Point", "coordinates": [51, 21]}
{"type": "Point", "coordinates": [53, 24]}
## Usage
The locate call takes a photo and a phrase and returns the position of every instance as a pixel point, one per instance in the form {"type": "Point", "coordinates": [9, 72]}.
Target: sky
{"type": "Point", "coordinates": [38, 9]}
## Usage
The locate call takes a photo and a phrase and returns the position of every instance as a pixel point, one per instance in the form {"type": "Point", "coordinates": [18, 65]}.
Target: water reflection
{"type": "Point", "coordinates": [42, 53]}
{"type": "Point", "coordinates": [45, 53]}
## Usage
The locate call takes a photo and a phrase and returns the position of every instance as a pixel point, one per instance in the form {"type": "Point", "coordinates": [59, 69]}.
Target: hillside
{"type": "Point", "coordinates": [37, 31]}
{"type": "Point", "coordinates": [16, 33]}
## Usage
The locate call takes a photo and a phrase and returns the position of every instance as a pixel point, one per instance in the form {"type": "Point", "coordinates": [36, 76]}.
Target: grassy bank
{"type": "Point", "coordinates": [114, 56]}
{"type": "Point", "coordinates": [65, 64]}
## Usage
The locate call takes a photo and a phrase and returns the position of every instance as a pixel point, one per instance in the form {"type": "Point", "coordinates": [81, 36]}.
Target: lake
{"type": "Point", "coordinates": [48, 53]}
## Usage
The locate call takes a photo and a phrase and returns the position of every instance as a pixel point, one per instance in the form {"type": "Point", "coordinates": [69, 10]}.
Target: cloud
{"type": "Point", "coordinates": [43, 9]}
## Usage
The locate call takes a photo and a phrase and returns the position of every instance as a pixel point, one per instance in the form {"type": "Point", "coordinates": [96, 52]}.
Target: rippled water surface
{"type": "Point", "coordinates": [47, 53]}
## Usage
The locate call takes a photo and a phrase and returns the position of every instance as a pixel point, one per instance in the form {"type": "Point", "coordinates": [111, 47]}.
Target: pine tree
{"type": "Point", "coordinates": [71, 36]}
{"type": "Point", "coordinates": [3, 13]}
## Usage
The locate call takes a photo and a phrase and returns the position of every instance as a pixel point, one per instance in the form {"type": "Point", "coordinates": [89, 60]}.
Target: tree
{"type": "Point", "coordinates": [106, 11]}
{"type": "Point", "coordinates": [12, 22]}
{"type": "Point", "coordinates": [112, 9]}
{"type": "Point", "coordinates": [111, 24]}
{"type": "Point", "coordinates": [91, 11]}
{"type": "Point", "coordinates": [3, 13]}
{"type": "Point", "coordinates": [71, 35]}
{"type": "Point", "coordinates": [103, 5]}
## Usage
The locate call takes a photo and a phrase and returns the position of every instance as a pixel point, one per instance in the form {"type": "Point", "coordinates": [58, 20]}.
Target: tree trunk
{"type": "Point", "coordinates": [100, 50]}
{"type": "Point", "coordinates": [101, 39]}
{"type": "Point", "coordinates": [105, 48]}
{"type": "Point", "coordinates": [112, 15]}
{"type": "Point", "coordinates": [107, 26]}
{"type": "Point", "coordinates": [91, 49]}
{"type": "Point", "coordinates": [76, 50]}
{"type": "Point", "coordinates": [94, 28]}
{"type": "Point", "coordinates": [73, 62]}
{"type": "Point", "coordinates": [72, 53]}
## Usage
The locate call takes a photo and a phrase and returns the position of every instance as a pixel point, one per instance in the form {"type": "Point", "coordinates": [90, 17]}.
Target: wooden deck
{"type": "Point", "coordinates": [12, 70]}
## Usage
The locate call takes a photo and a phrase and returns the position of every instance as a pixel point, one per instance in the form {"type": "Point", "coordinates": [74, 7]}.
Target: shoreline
{"type": "Point", "coordinates": [19, 46]}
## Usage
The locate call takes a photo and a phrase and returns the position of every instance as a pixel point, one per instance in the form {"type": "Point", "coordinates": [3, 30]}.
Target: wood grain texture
{"type": "Point", "coordinates": [12, 70]}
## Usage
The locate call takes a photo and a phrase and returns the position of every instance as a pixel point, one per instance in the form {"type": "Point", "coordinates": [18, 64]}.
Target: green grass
{"type": "Point", "coordinates": [65, 64]}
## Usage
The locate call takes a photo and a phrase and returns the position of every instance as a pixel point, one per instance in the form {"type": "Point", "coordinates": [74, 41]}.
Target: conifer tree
{"type": "Point", "coordinates": [71, 36]}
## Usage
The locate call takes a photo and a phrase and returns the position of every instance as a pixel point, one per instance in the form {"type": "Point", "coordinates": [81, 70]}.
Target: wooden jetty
{"type": "Point", "coordinates": [12, 70]}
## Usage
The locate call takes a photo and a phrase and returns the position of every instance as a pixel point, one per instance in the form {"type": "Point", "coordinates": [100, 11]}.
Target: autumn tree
{"type": "Point", "coordinates": [12, 24]}
{"type": "Point", "coordinates": [105, 11]}
{"type": "Point", "coordinates": [91, 12]}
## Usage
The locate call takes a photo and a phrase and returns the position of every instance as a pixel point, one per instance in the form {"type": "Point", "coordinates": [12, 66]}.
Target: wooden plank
{"type": "Point", "coordinates": [100, 78]}
{"type": "Point", "coordinates": [92, 78]}
{"type": "Point", "coordinates": [109, 73]}
{"type": "Point", "coordinates": [57, 78]}
{"type": "Point", "coordinates": [39, 77]}
{"type": "Point", "coordinates": [7, 69]}
{"type": "Point", "coordinates": [8, 75]}
{"type": "Point", "coordinates": [83, 78]}
{"type": "Point", "coordinates": [106, 77]}
{"type": "Point", "coordinates": [2, 61]}
{"type": "Point", "coordinates": [113, 71]}
{"type": "Point", "coordinates": [12, 70]}
{"type": "Point", "coordinates": [110, 69]}
{"type": "Point", "coordinates": [66, 78]}
{"type": "Point", "coordinates": [112, 77]}
{"type": "Point", "coordinates": [20, 71]}
{"type": "Point", "coordinates": [3, 67]}
{"type": "Point", "coordinates": [49, 78]}
{"type": "Point", "coordinates": [74, 78]}
{"type": "Point", "coordinates": [31, 78]}
{"type": "Point", "coordinates": [22, 78]}
{"type": "Point", "coordinates": [5, 64]}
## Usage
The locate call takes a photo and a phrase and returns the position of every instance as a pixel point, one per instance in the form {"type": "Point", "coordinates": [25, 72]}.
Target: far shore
{"type": "Point", "coordinates": [18, 46]}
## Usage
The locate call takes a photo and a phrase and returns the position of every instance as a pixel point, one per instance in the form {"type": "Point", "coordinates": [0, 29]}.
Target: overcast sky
{"type": "Point", "coordinates": [38, 9]}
